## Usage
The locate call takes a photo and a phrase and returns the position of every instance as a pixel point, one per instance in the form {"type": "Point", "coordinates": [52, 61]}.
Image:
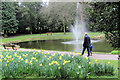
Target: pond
{"type": "Point", "coordinates": [65, 45]}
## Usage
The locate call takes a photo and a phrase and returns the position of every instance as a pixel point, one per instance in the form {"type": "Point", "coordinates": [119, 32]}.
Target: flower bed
{"type": "Point", "coordinates": [30, 63]}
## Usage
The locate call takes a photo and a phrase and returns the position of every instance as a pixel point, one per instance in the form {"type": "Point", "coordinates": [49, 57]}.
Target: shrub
{"type": "Point", "coordinates": [115, 52]}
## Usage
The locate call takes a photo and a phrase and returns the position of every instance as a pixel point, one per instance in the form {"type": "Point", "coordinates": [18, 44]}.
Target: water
{"type": "Point", "coordinates": [65, 45]}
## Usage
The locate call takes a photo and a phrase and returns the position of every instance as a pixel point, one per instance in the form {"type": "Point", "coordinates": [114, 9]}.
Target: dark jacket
{"type": "Point", "coordinates": [86, 41]}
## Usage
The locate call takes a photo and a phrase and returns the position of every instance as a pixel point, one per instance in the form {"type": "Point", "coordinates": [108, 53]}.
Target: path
{"type": "Point", "coordinates": [94, 56]}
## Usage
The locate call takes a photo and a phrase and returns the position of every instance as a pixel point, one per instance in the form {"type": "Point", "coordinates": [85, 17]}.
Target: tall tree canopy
{"type": "Point", "coordinates": [9, 22]}
{"type": "Point", "coordinates": [59, 15]}
{"type": "Point", "coordinates": [104, 16]}
{"type": "Point", "coordinates": [28, 16]}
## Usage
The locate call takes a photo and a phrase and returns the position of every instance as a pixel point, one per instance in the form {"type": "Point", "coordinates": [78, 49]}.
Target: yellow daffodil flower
{"type": "Point", "coordinates": [26, 61]}
{"type": "Point", "coordinates": [5, 64]}
{"type": "Point", "coordinates": [108, 62]}
{"type": "Point", "coordinates": [5, 58]}
{"type": "Point", "coordinates": [58, 67]}
{"type": "Point", "coordinates": [40, 64]}
{"type": "Point", "coordinates": [7, 61]}
{"type": "Point", "coordinates": [89, 62]}
{"type": "Point", "coordinates": [0, 60]}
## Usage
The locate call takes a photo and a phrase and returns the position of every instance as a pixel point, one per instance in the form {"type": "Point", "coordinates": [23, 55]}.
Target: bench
{"type": "Point", "coordinates": [9, 45]}
{"type": "Point", "coordinates": [49, 33]}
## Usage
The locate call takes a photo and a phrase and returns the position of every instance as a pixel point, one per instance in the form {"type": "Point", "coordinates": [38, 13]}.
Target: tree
{"type": "Point", "coordinates": [28, 16]}
{"type": "Point", "coordinates": [104, 16]}
{"type": "Point", "coordinates": [59, 14]}
{"type": "Point", "coordinates": [9, 22]}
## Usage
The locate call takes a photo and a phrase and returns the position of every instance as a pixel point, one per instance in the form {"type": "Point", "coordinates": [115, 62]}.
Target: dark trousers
{"type": "Point", "coordinates": [87, 50]}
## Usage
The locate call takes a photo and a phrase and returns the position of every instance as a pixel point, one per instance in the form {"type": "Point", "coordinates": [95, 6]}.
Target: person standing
{"type": "Point", "coordinates": [91, 48]}
{"type": "Point", "coordinates": [86, 44]}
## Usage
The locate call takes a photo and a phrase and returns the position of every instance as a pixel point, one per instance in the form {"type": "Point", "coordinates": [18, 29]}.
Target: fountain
{"type": "Point", "coordinates": [78, 29]}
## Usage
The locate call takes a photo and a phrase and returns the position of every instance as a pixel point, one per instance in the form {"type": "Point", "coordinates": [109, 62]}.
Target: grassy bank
{"type": "Point", "coordinates": [68, 35]}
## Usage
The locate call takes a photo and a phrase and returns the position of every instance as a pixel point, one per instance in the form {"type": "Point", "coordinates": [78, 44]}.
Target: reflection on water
{"type": "Point", "coordinates": [65, 45]}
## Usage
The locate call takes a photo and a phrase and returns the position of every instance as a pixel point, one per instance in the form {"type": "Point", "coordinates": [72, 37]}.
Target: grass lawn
{"type": "Point", "coordinates": [32, 37]}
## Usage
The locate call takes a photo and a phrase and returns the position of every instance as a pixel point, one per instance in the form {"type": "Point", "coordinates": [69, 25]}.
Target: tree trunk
{"type": "Point", "coordinates": [30, 32]}
{"type": "Point", "coordinates": [5, 34]}
{"type": "Point", "coordinates": [64, 29]}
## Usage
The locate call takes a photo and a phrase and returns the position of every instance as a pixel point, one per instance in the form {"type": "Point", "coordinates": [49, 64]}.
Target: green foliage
{"type": "Point", "coordinates": [58, 15]}
{"type": "Point", "coordinates": [104, 16]}
{"type": "Point", "coordinates": [28, 16]}
{"type": "Point", "coordinates": [9, 22]}
{"type": "Point", "coordinates": [102, 69]}
{"type": "Point", "coordinates": [29, 63]}
{"type": "Point", "coordinates": [115, 52]}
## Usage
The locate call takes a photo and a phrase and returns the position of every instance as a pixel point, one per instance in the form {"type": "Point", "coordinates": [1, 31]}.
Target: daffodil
{"type": "Point", "coordinates": [7, 61]}
{"type": "Point", "coordinates": [15, 54]}
{"type": "Point", "coordinates": [96, 60]}
{"type": "Point", "coordinates": [108, 62]}
{"type": "Point", "coordinates": [1, 56]}
{"type": "Point", "coordinates": [26, 61]}
{"type": "Point", "coordinates": [58, 67]}
{"type": "Point", "coordinates": [63, 63]}
{"type": "Point", "coordinates": [12, 58]}
{"type": "Point", "coordinates": [61, 54]}
{"type": "Point", "coordinates": [45, 56]}
{"type": "Point", "coordinates": [33, 58]}
{"type": "Point", "coordinates": [77, 72]}
{"type": "Point", "coordinates": [49, 56]}
{"type": "Point", "coordinates": [53, 54]}
{"type": "Point", "coordinates": [40, 64]}
{"type": "Point", "coordinates": [86, 57]}
{"type": "Point", "coordinates": [49, 64]}
{"type": "Point", "coordinates": [89, 62]}
{"type": "Point", "coordinates": [5, 64]}
{"type": "Point", "coordinates": [78, 53]}
{"type": "Point", "coordinates": [36, 60]}
{"type": "Point", "coordinates": [30, 61]}
{"type": "Point", "coordinates": [36, 53]}
{"type": "Point", "coordinates": [0, 60]}
{"type": "Point", "coordinates": [60, 57]}
{"type": "Point", "coordinates": [79, 67]}
{"type": "Point", "coordinates": [9, 56]}
{"type": "Point", "coordinates": [5, 58]}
